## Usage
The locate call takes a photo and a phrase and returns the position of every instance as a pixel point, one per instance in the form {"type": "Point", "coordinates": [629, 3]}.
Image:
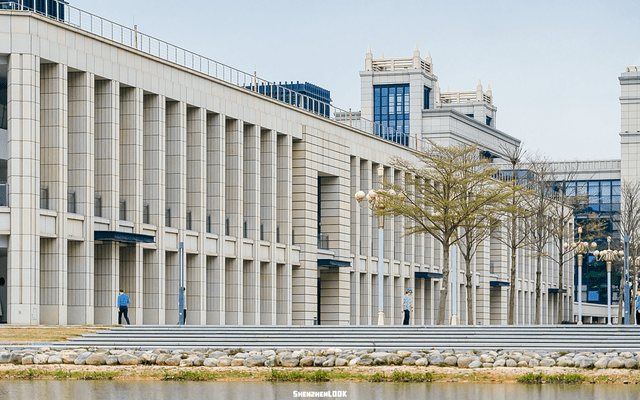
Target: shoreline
{"type": "Point", "coordinates": [499, 375]}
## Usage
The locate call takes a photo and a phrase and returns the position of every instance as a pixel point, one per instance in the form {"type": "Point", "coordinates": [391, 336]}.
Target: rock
{"type": "Point", "coordinates": [116, 352]}
{"type": "Point", "coordinates": [56, 359]}
{"type": "Point", "coordinates": [547, 362]}
{"type": "Point", "coordinates": [422, 361]}
{"type": "Point", "coordinates": [534, 363]}
{"type": "Point", "coordinates": [198, 361]}
{"type": "Point", "coordinates": [16, 358]}
{"type": "Point", "coordinates": [403, 353]}
{"type": "Point", "coordinates": [162, 358]}
{"type": "Point", "coordinates": [210, 362]}
{"type": "Point", "coordinates": [187, 362]}
{"type": "Point", "coordinates": [436, 359]}
{"type": "Point", "coordinates": [523, 364]}
{"type": "Point", "coordinates": [487, 365]}
{"type": "Point", "coordinates": [616, 363]}
{"type": "Point", "coordinates": [68, 357]}
{"type": "Point", "coordinates": [565, 362]}
{"type": "Point", "coordinates": [409, 361]}
{"type": "Point", "coordinates": [306, 361]}
{"type": "Point", "coordinates": [354, 361]}
{"type": "Point", "coordinates": [511, 363]}
{"type": "Point", "coordinates": [464, 361]}
{"type": "Point", "coordinates": [40, 358]}
{"type": "Point", "coordinates": [5, 357]}
{"type": "Point", "coordinates": [255, 360]}
{"type": "Point", "coordinates": [237, 362]}
{"type": "Point", "coordinates": [224, 361]}
{"type": "Point", "coordinates": [525, 359]}
{"type": "Point", "coordinates": [341, 362]}
{"type": "Point", "coordinates": [630, 363]}
{"type": "Point", "coordinates": [128, 359]}
{"type": "Point", "coordinates": [268, 353]}
{"type": "Point", "coordinates": [329, 362]}
{"type": "Point", "coordinates": [500, 362]}
{"type": "Point", "coordinates": [626, 354]}
{"type": "Point", "coordinates": [289, 361]}
{"type": "Point", "coordinates": [148, 358]}
{"type": "Point", "coordinates": [365, 361]}
{"type": "Point", "coordinates": [451, 360]}
{"type": "Point", "coordinates": [217, 354]}
{"type": "Point", "coordinates": [241, 355]}
{"type": "Point", "coordinates": [394, 359]}
{"type": "Point", "coordinates": [27, 360]}
{"type": "Point", "coordinates": [318, 361]}
{"type": "Point", "coordinates": [112, 360]}
{"type": "Point", "coordinates": [602, 362]}
{"type": "Point", "coordinates": [486, 358]}
{"type": "Point", "coordinates": [475, 364]}
{"type": "Point", "coordinates": [585, 362]}
{"type": "Point", "coordinates": [173, 361]}
{"type": "Point", "coordinates": [379, 354]}
{"type": "Point", "coordinates": [82, 358]}
{"type": "Point", "coordinates": [95, 359]}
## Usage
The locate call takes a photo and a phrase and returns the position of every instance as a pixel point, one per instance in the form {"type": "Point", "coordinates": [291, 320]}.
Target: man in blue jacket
{"type": "Point", "coordinates": [123, 307]}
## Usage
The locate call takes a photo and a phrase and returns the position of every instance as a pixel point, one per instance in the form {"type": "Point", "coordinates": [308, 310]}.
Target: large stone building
{"type": "Point", "coordinates": [117, 148]}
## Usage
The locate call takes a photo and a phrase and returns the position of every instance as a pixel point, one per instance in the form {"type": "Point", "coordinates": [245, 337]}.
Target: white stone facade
{"type": "Point", "coordinates": [105, 137]}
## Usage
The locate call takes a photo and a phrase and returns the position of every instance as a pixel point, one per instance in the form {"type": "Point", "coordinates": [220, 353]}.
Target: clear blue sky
{"type": "Point", "coordinates": [553, 66]}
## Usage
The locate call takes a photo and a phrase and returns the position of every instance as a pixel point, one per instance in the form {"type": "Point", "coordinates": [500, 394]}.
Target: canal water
{"type": "Point", "coordinates": [107, 390]}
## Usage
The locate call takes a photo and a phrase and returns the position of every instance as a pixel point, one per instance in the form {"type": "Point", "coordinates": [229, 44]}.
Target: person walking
{"type": "Point", "coordinates": [407, 305]}
{"type": "Point", "coordinates": [123, 307]}
{"type": "Point", "coordinates": [638, 307]}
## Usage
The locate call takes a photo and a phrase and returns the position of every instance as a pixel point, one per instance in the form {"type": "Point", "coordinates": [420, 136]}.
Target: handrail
{"type": "Point", "coordinates": [123, 35]}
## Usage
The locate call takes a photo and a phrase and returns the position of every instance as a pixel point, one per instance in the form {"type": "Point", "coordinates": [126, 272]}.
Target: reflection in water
{"type": "Point", "coordinates": [106, 390]}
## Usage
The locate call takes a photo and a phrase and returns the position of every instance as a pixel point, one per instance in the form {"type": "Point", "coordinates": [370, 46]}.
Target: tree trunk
{"type": "Point", "coordinates": [512, 288]}
{"type": "Point", "coordinates": [469, 286]}
{"type": "Point", "coordinates": [444, 290]}
{"type": "Point", "coordinates": [560, 288]}
{"type": "Point", "coordinates": [538, 277]}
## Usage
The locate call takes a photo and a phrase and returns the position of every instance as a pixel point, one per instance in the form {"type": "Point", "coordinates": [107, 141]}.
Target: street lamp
{"type": "Point", "coordinates": [580, 248]}
{"type": "Point", "coordinates": [376, 203]}
{"type": "Point", "coordinates": [608, 256]}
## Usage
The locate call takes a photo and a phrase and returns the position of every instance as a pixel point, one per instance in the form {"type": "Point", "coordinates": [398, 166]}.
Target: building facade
{"type": "Point", "coordinates": [119, 149]}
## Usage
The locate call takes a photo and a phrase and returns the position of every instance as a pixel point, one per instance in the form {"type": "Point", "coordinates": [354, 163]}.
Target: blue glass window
{"type": "Point", "coordinates": [427, 91]}
{"type": "Point", "coordinates": [489, 121]}
{"type": "Point", "coordinates": [391, 109]}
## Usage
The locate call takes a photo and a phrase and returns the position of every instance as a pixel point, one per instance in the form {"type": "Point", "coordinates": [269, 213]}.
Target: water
{"type": "Point", "coordinates": [99, 390]}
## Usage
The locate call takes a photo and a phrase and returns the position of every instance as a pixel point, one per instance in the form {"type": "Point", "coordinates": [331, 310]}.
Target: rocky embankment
{"type": "Point", "coordinates": [331, 357]}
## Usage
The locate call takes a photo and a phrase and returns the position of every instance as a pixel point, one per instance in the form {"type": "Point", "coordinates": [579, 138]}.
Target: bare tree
{"type": "Point", "coordinates": [628, 224]}
{"type": "Point", "coordinates": [512, 233]}
{"type": "Point", "coordinates": [539, 204]}
{"type": "Point", "coordinates": [436, 197]}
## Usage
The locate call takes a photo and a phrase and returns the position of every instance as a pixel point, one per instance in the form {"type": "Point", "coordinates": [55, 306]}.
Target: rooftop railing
{"type": "Point", "coordinates": [463, 97]}
{"type": "Point", "coordinates": [126, 36]}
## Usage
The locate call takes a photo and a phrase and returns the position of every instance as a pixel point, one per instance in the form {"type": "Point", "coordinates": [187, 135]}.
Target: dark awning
{"type": "Point", "coordinates": [124, 237]}
{"type": "Point", "coordinates": [428, 275]}
{"type": "Point", "coordinates": [499, 283]}
{"type": "Point", "coordinates": [333, 263]}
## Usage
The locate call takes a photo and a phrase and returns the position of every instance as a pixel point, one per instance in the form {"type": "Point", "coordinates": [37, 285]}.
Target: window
{"type": "Point", "coordinates": [391, 112]}
{"type": "Point", "coordinates": [469, 115]}
{"type": "Point", "coordinates": [425, 102]}
{"type": "Point", "coordinates": [489, 121]}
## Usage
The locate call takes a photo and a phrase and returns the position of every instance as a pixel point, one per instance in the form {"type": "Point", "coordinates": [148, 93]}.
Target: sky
{"type": "Point", "coordinates": [553, 66]}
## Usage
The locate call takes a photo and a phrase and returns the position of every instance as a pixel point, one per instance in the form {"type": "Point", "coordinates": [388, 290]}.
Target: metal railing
{"type": "Point", "coordinates": [147, 44]}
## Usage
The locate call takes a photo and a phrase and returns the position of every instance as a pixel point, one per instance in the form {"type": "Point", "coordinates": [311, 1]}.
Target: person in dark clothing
{"type": "Point", "coordinates": [123, 307]}
{"type": "Point", "coordinates": [407, 305]}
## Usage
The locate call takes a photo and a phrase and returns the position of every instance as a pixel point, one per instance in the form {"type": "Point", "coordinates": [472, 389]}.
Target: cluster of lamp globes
{"type": "Point", "coordinates": [372, 197]}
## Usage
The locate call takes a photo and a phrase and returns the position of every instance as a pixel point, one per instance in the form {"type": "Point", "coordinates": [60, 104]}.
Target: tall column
{"type": "Point", "coordinates": [216, 196]}
{"type": "Point", "coordinates": [107, 193]}
{"type": "Point", "coordinates": [81, 184]}
{"type": "Point", "coordinates": [53, 177]}
{"type": "Point", "coordinates": [268, 218]}
{"type": "Point", "coordinates": [196, 204]}
{"type": "Point", "coordinates": [284, 226]}
{"type": "Point", "coordinates": [131, 191]}
{"type": "Point", "coordinates": [24, 136]}
{"type": "Point", "coordinates": [154, 132]}
{"type": "Point", "coordinates": [251, 217]}
{"type": "Point", "coordinates": [365, 214]}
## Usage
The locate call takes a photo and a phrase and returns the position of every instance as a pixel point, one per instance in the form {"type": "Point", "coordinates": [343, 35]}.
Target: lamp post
{"type": "Point", "coordinates": [376, 203]}
{"type": "Point", "coordinates": [580, 248]}
{"type": "Point", "coordinates": [609, 256]}
{"type": "Point", "coordinates": [626, 280]}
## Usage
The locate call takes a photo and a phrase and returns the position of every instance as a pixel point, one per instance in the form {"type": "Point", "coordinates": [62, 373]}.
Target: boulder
{"type": "Point", "coordinates": [534, 362]}
{"type": "Point", "coordinates": [547, 362]}
{"type": "Point", "coordinates": [40, 358]}
{"type": "Point", "coordinates": [500, 362]}
{"type": "Point", "coordinates": [162, 358]}
{"type": "Point", "coordinates": [268, 353]}
{"type": "Point", "coordinates": [187, 362]}
{"type": "Point", "coordinates": [54, 359]}
{"type": "Point", "coordinates": [451, 360]}
{"type": "Point", "coordinates": [585, 362]}
{"type": "Point", "coordinates": [511, 363]}
{"type": "Point", "coordinates": [5, 357]}
{"type": "Point", "coordinates": [565, 362]}
{"type": "Point", "coordinates": [486, 358]}
{"type": "Point", "coordinates": [289, 361]}
{"type": "Point", "coordinates": [27, 360]}
{"type": "Point", "coordinates": [394, 359]}
{"type": "Point", "coordinates": [210, 362]}
{"type": "Point", "coordinates": [379, 354]}
{"type": "Point", "coordinates": [112, 359]}
{"type": "Point", "coordinates": [224, 361]}
{"type": "Point", "coordinates": [475, 364]}
{"type": "Point", "coordinates": [255, 361]}
{"type": "Point", "coordinates": [16, 358]}
{"type": "Point", "coordinates": [436, 359]}
{"type": "Point", "coordinates": [630, 363]}
{"type": "Point", "coordinates": [329, 362]}
{"type": "Point", "coordinates": [237, 362]}
{"type": "Point", "coordinates": [128, 359]}
{"type": "Point", "coordinates": [217, 354]}
{"type": "Point", "coordinates": [523, 364]}
{"type": "Point", "coordinates": [616, 363]}
{"type": "Point", "coordinates": [306, 361]}
{"type": "Point", "coordinates": [365, 361]}
{"type": "Point", "coordinates": [68, 357]}
{"type": "Point", "coordinates": [173, 361]}
{"type": "Point", "coordinates": [602, 362]}
{"type": "Point", "coordinates": [409, 361]}
{"type": "Point", "coordinates": [82, 358]}
{"type": "Point", "coordinates": [464, 361]}
{"type": "Point", "coordinates": [422, 361]}
{"type": "Point", "coordinates": [116, 352]}
{"type": "Point", "coordinates": [94, 359]}
{"type": "Point", "coordinates": [341, 362]}
{"type": "Point", "coordinates": [403, 353]}
{"type": "Point", "coordinates": [318, 361]}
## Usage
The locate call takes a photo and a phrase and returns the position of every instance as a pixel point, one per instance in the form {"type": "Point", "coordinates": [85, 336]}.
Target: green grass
{"type": "Point", "coordinates": [559, 378]}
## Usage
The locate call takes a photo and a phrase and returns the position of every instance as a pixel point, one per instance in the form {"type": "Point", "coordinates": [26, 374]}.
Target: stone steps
{"type": "Point", "coordinates": [548, 337]}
